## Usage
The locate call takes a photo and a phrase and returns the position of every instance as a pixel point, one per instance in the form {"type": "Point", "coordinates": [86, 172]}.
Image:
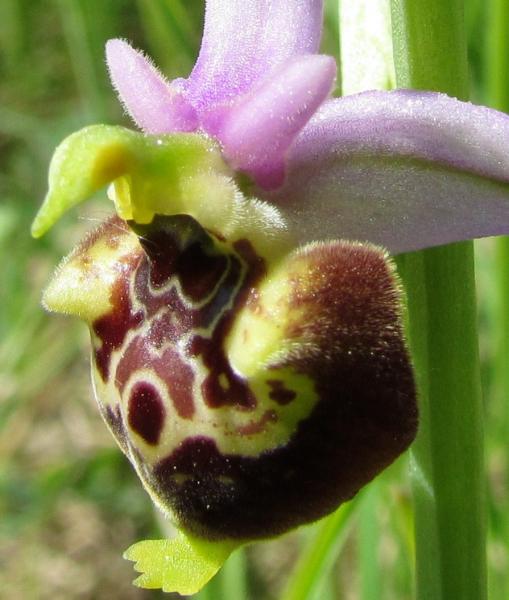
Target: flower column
{"type": "Point", "coordinates": [447, 468]}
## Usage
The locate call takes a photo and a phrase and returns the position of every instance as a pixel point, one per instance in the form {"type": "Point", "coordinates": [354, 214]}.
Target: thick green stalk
{"type": "Point", "coordinates": [497, 57]}
{"type": "Point", "coordinates": [496, 91]}
{"type": "Point", "coordinates": [497, 95]}
{"type": "Point", "coordinates": [447, 473]}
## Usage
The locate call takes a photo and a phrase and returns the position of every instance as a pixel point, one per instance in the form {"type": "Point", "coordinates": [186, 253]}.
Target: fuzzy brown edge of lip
{"type": "Point", "coordinates": [365, 417]}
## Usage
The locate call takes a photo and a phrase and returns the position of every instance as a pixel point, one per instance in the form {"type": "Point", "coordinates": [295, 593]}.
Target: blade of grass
{"type": "Point", "coordinates": [497, 54]}
{"type": "Point", "coordinates": [233, 581]}
{"type": "Point", "coordinates": [326, 591]}
{"type": "Point", "coordinates": [12, 33]}
{"type": "Point", "coordinates": [171, 34]}
{"type": "Point", "coordinates": [366, 46]}
{"type": "Point", "coordinates": [402, 525]}
{"type": "Point", "coordinates": [83, 46]}
{"type": "Point", "coordinates": [447, 473]}
{"type": "Point", "coordinates": [497, 95]}
{"type": "Point", "coordinates": [320, 553]}
{"type": "Point", "coordinates": [369, 540]}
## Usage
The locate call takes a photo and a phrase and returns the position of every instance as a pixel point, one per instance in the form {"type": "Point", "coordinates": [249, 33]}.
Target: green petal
{"type": "Point", "coordinates": [152, 174]}
{"type": "Point", "coordinates": [182, 564]}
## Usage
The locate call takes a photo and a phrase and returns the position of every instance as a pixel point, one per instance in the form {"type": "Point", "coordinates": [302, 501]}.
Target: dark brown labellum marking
{"type": "Point", "coordinates": [236, 392]}
{"type": "Point", "coordinates": [179, 377]}
{"type": "Point", "coordinates": [162, 250]}
{"type": "Point", "coordinates": [279, 393]}
{"type": "Point", "coordinates": [177, 246]}
{"type": "Point", "coordinates": [366, 414]}
{"type": "Point", "coordinates": [173, 371]}
{"type": "Point", "coordinates": [255, 427]}
{"type": "Point", "coordinates": [216, 394]}
{"type": "Point", "coordinates": [182, 281]}
{"type": "Point", "coordinates": [113, 327]}
{"type": "Point", "coordinates": [146, 412]}
{"type": "Point", "coordinates": [199, 272]}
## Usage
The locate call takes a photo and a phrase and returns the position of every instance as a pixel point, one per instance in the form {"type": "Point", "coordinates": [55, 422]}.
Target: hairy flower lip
{"type": "Point", "coordinates": [321, 327]}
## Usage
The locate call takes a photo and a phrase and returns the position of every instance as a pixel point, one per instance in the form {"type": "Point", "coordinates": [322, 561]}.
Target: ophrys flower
{"type": "Point", "coordinates": [256, 383]}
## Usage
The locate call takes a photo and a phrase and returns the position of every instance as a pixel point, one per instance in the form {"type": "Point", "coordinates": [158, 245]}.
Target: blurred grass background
{"type": "Point", "coordinates": [69, 501]}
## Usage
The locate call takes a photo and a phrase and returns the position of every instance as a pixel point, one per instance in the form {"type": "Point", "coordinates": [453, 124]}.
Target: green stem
{"type": "Point", "coordinates": [497, 95]}
{"type": "Point", "coordinates": [447, 474]}
{"type": "Point", "coordinates": [497, 58]}
{"type": "Point", "coordinates": [497, 92]}
{"type": "Point", "coordinates": [233, 577]}
{"type": "Point", "coordinates": [430, 46]}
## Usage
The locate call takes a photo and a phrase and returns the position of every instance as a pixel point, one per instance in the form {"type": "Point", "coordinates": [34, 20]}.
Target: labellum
{"type": "Point", "coordinates": [250, 397]}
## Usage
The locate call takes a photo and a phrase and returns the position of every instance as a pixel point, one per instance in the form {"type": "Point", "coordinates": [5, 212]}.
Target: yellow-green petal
{"type": "Point", "coordinates": [167, 174]}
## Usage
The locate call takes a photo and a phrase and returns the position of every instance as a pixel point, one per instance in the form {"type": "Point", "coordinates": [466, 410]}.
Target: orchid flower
{"type": "Point", "coordinates": [248, 351]}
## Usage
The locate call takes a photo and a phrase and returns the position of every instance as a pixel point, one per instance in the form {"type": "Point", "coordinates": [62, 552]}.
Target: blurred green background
{"type": "Point", "coordinates": [69, 501]}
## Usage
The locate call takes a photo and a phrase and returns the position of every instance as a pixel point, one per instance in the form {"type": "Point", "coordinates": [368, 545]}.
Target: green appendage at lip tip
{"type": "Point", "coordinates": [83, 163]}
{"type": "Point", "coordinates": [97, 155]}
{"type": "Point", "coordinates": [183, 564]}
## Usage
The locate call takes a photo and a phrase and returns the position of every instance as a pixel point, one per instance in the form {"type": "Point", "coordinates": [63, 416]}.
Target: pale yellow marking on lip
{"type": "Point", "coordinates": [83, 282]}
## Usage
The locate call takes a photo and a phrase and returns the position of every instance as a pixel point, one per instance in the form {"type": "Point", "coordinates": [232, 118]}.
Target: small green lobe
{"type": "Point", "coordinates": [182, 564]}
{"type": "Point", "coordinates": [82, 164]}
